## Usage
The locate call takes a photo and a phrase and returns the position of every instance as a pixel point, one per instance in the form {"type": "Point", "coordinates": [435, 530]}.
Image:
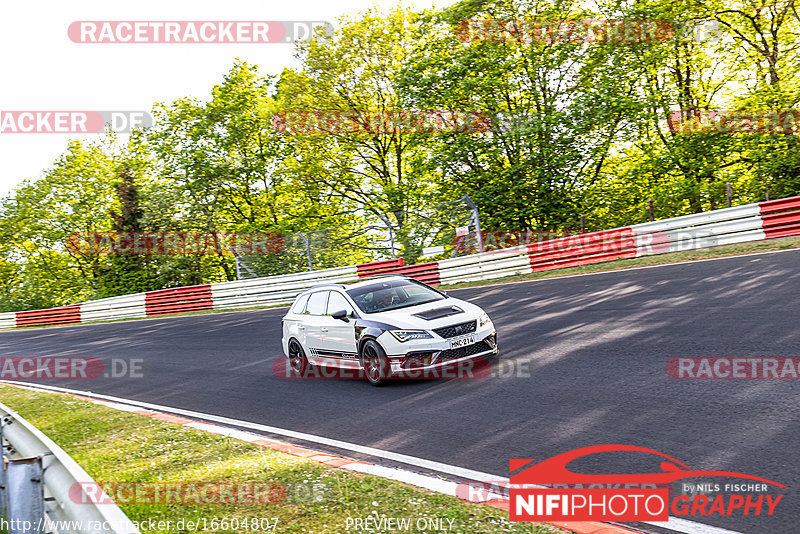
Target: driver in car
{"type": "Point", "coordinates": [383, 300]}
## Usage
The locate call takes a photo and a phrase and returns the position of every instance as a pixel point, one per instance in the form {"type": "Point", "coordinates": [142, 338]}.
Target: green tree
{"type": "Point", "coordinates": [124, 273]}
{"type": "Point", "coordinates": [222, 161]}
{"type": "Point", "coordinates": [72, 198]}
{"type": "Point", "coordinates": [377, 173]}
{"type": "Point", "coordinates": [557, 106]}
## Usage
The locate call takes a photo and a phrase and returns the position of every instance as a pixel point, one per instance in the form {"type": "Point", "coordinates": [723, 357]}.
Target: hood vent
{"type": "Point", "coordinates": [438, 313]}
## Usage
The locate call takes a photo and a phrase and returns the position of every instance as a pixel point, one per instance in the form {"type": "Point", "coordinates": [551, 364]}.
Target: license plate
{"type": "Point", "coordinates": [462, 342]}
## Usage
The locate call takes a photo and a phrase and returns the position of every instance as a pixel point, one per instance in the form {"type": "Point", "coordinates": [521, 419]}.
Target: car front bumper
{"type": "Point", "coordinates": [427, 360]}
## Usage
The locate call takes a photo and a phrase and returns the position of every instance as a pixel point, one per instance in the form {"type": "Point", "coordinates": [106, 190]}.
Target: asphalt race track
{"type": "Point", "coordinates": [595, 347]}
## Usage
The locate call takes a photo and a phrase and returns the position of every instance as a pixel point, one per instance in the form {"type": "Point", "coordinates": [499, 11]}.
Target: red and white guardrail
{"type": "Point", "coordinates": [751, 222]}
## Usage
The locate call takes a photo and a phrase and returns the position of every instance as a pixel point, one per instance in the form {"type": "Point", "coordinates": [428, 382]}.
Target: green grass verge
{"type": "Point", "coordinates": [116, 446]}
{"type": "Point", "coordinates": [644, 261]}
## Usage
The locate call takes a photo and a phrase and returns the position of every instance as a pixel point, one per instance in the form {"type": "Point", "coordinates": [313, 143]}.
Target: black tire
{"type": "Point", "coordinates": [375, 363]}
{"type": "Point", "coordinates": [298, 362]}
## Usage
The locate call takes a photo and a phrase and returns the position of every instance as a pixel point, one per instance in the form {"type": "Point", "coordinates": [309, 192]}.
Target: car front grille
{"type": "Point", "coordinates": [463, 352]}
{"type": "Point", "coordinates": [456, 329]}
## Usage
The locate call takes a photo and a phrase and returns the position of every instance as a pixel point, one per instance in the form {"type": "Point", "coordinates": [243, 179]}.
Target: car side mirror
{"type": "Point", "coordinates": [341, 315]}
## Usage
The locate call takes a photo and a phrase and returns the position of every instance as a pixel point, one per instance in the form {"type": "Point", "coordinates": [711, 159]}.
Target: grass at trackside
{"type": "Point", "coordinates": [116, 446]}
{"type": "Point", "coordinates": [644, 261]}
{"type": "Point", "coordinates": [752, 247]}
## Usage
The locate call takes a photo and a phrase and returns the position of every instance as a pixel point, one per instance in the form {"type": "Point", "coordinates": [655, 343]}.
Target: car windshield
{"type": "Point", "coordinates": [389, 295]}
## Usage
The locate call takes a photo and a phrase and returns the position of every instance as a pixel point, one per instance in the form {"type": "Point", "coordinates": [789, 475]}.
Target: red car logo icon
{"type": "Point", "coordinates": [554, 470]}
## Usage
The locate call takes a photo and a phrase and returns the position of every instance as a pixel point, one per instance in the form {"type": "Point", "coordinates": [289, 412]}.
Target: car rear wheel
{"type": "Point", "coordinates": [375, 363]}
{"type": "Point", "coordinates": [297, 359]}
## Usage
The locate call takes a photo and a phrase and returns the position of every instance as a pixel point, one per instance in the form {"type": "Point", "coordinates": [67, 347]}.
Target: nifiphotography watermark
{"type": "Point", "coordinates": [548, 490]}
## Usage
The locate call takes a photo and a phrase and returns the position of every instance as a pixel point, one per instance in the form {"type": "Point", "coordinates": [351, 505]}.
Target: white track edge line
{"type": "Point", "coordinates": [690, 527]}
{"type": "Point", "coordinates": [468, 474]}
{"type": "Point", "coordinates": [683, 526]}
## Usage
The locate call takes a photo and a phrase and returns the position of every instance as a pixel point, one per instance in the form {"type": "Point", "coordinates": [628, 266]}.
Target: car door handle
{"type": "Point", "coordinates": [324, 329]}
{"type": "Point", "coordinates": [301, 327]}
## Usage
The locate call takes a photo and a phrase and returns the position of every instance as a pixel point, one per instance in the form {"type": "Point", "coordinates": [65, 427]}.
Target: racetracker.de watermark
{"type": "Point", "coordinates": [494, 240]}
{"type": "Point", "coordinates": [564, 31]}
{"type": "Point", "coordinates": [195, 31]}
{"type": "Point", "coordinates": [381, 122]}
{"type": "Point", "coordinates": [174, 243]}
{"type": "Point", "coordinates": [479, 368]}
{"type": "Point", "coordinates": [72, 122]}
{"type": "Point", "coordinates": [192, 492]}
{"type": "Point", "coordinates": [733, 122]}
{"type": "Point", "coordinates": [735, 368]}
{"type": "Point", "coordinates": [69, 368]}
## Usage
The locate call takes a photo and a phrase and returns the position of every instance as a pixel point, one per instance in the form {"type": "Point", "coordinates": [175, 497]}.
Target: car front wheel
{"type": "Point", "coordinates": [375, 363]}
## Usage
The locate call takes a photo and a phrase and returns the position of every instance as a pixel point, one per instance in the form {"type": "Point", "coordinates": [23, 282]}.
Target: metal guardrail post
{"type": "Point", "coordinates": [476, 219]}
{"type": "Point", "coordinates": [3, 480]}
{"type": "Point", "coordinates": [391, 239]}
{"type": "Point", "coordinates": [236, 264]}
{"type": "Point", "coordinates": [308, 251]}
{"type": "Point", "coordinates": [25, 483]}
{"type": "Point", "coordinates": [240, 264]}
{"type": "Point", "coordinates": [52, 490]}
{"type": "Point", "coordinates": [388, 225]}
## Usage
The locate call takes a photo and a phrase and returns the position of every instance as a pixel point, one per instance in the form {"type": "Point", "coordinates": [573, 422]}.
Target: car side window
{"type": "Point", "coordinates": [300, 304]}
{"type": "Point", "coordinates": [317, 302]}
{"type": "Point", "coordinates": [337, 302]}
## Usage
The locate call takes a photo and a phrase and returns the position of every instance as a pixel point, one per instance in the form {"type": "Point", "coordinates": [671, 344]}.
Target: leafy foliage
{"type": "Point", "coordinates": [572, 123]}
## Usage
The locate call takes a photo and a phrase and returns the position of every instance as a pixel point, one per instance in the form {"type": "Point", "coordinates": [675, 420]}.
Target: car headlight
{"type": "Point", "coordinates": [483, 320]}
{"type": "Point", "coordinates": [404, 335]}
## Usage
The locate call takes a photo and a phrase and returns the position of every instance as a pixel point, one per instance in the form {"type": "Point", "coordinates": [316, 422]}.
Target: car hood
{"type": "Point", "coordinates": [427, 316]}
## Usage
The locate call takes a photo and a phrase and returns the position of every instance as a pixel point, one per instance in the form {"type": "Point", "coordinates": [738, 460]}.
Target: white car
{"type": "Point", "coordinates": [384, 327]}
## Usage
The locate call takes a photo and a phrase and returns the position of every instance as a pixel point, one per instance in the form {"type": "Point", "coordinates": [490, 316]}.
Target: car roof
{"type": "Point", "coordinates": [376, 280]}
{"type": "Point", "coordinates": [360, 283]}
